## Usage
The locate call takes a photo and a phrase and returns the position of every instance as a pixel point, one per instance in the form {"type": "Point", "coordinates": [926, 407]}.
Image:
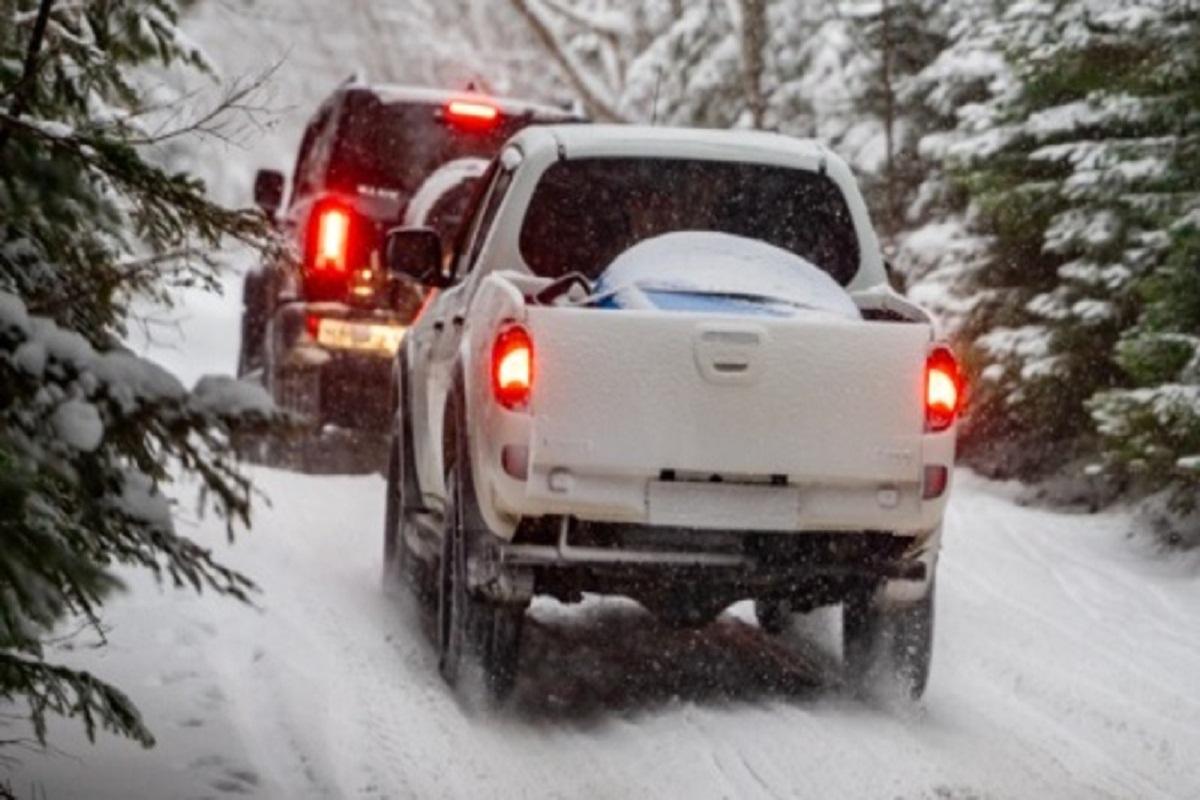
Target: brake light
{"type": "Point", "coordinates": [471, 113]}
{"type": "Point", "coordinates": [333, 239]}
{"type": "Point", "coordinates": [943, 389]}
{"type": "Point", "coordinates": [512, 367]}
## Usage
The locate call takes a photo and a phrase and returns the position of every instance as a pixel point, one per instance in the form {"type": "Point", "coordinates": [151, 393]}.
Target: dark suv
{"type": "Point", "coordinates": [321, 337]}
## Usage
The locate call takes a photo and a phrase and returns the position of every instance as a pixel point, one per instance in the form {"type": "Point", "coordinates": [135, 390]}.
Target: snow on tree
{"type": "Point", "coordinates": [1151, 425]}
{"type": "Point", "coordinates": [937, 250]}
{"type": "Point", "coordinates": [676, 66]}
{"type": "Point", "coordinates": [1077, 180]}
{"type": "Point", "coordinates": [90, 435]}
{"type": "Point", "coordinates": [894, 41]}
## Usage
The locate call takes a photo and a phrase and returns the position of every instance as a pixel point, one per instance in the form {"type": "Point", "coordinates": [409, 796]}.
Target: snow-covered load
{"type": "Point", "coordinates": [667, 364]}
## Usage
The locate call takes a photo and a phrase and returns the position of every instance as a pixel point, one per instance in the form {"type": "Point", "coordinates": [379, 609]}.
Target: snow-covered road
{"type": "Point", "coordinates": [1067, 665]}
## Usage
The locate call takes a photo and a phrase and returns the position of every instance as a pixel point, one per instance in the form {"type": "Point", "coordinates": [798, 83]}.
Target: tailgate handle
{"type": "Point", "coordinates": [729, 353]}
{"type": "Point", "coordinates": [731, 366]}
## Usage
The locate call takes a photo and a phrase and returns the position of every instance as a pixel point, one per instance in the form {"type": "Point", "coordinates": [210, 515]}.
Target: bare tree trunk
{"type": "Point", "coordinates": [599, 106]}
{"type": "Point", "coordinates": [20, 98]}
{"type": "Point", "coordinates": [891, 221]}
{"type": "Point", "coordinates": [754, 38]}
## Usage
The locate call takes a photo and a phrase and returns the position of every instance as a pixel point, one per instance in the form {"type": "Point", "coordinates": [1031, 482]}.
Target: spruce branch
{"type": "Point", "coordinates": [50, 689]}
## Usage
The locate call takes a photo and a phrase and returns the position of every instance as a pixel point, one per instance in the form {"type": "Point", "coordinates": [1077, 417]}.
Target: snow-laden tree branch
{"type": "Point", "coordinates": [90, 435]}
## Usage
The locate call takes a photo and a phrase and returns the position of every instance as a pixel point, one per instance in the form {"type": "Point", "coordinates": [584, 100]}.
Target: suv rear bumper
{"type": "Point", "coordinates": [345, 388]}
{"type": "Point", "coordinates": [354, 391]}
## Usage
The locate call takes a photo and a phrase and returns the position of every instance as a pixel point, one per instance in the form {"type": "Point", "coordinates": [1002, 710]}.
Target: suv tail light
{"type": "Point", "coordinates": [512, 367]}
{"type": "Point", "coordinates": [471, 113]}
{"type": "Point", "coordinates": [943, 389]}
{"type": "Point", "coordinates": [330, 249]}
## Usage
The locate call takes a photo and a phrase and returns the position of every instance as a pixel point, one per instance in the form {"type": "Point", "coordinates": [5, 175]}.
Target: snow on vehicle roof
{"type": "Point", "coordinates": [440, 181]}
{"type": "Point", "coordinates": [759, 147]}
{"type": "Point", "coordinates": [394, 93]}
{"type": "Point", "coordinates": [723, 265]}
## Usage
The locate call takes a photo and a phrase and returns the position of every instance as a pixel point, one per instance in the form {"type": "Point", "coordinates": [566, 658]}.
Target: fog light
{"type": "Point", "coordinates": [936, 478]}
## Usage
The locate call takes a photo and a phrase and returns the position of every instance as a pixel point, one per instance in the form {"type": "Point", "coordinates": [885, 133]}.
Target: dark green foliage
{"type": "Point", "coordinates": [1077, 184]}
{"type": "Point", "coordinates": [89, 434]}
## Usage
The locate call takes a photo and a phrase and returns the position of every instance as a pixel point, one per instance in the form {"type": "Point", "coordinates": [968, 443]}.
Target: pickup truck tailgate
{"type": "Point", "coordinates": [812, 398]}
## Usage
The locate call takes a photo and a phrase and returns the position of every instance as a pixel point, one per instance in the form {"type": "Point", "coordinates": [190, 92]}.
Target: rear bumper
{"type": "Point", "coordinates": [784, 504]}
{"type": "Point", "coordinates": [816, 573]}
{"type": "Point", "coordinates": [876, 558]}
{"type": "Point", "coordinates": [354, 391]}
{"type": "Point", "coordinates": [350, 388]}
{"type": "Point", "coordinates": [520, 483]}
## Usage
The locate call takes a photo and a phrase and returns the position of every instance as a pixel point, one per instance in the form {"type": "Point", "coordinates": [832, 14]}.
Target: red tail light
{"type": "Point", "coordinates": [512, 367]}
{"type": "Point", "coordinates": [472, 113]}
{"type": "Point", "coordinates": [333, 239]}
{"type": "Point", "coordinates": [943, 389]}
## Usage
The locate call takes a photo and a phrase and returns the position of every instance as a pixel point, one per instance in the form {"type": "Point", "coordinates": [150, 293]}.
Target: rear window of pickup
{"type": "Point", "coordinates": [586, 212]}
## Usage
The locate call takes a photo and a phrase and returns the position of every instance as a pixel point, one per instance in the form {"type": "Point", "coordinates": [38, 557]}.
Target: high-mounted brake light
{"type": "Point", "coordinates": [471, 112]}
{"type": "Point", "coordinates": [333, 239]}
{"type": "Point", "coordinates": [943, 389]}
{"type": "Point", "coordinates": [512, 367]}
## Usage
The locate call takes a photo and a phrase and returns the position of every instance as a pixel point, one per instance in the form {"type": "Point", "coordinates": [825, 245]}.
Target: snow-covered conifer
{"type": "Point", "coordinates": [1073, 197]}
{"type": "Point", "coordinates": [90, 433]}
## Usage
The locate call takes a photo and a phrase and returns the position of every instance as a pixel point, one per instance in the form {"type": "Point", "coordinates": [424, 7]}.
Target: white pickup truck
{"type": "Point", "coordinates": [667, 364]}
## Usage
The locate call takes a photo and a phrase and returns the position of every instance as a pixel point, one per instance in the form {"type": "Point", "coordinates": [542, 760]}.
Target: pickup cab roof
{"type": "Point", "coordinates": [758, 147]}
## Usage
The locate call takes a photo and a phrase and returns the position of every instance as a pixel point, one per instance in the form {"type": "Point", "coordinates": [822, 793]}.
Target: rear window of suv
{"type": "Point", "coordinates": [394, 146]}
{"type": "Point", "coordinates": [586, 212]}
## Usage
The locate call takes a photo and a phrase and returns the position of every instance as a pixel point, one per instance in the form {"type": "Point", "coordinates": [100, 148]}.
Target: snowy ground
{"type": "Point", "coordinates": [1066, 663]}
{"type": "Point", "coordinates": [1065, 666]}
{"type": "Point", "coordinates": [1067, 660]}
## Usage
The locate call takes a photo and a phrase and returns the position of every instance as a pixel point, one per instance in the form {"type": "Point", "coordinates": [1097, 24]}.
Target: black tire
{"type": "Point", "coordinates": [500, 648]}
{"type": "Point", "coordinates": [882, 646]}
{"type": "Point", "coordinates": [394, 549]}
{"type": "Point", "coordinates": [773, 615]}
{"type": "Point", "coordinates": [410, 491]}
{"type": "Point", "coordinates": [254, 322]}
{"type": "Point", "coordinates": [683, 611]}
{"type": "Point", "coordinates": [403, 499]}
{"type": "Point", "coordinates": [453, 603]}
{"type": "Point", "coordinates": [470, 626]}
{"type": "Point", "coordinates": [298, 390]}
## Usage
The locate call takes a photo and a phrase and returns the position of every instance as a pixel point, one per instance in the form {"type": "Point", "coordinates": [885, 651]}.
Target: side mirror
{"type": "Point", "coordinates": [416, 253]}
{"type": "Point", "coordinates": [268, 191]}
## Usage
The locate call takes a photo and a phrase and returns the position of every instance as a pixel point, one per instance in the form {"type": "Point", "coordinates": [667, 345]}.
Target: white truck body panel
{"type": "Point", "coordinates": [817, 400]}
{"type": "Point", "coordinates": [831, 408]}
